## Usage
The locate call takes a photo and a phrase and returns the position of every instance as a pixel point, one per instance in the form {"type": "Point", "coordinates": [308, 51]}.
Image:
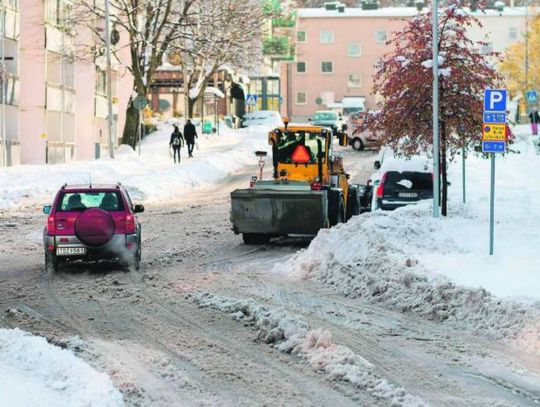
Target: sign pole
{"type": "Point", "coordinates": [463, 172]}
{"type": "Point", "coordinates": [492, 206]}
{"type": "Point", "coordinates": [140, 129]}
{"type": "Point", "coordinates": [435, 102]}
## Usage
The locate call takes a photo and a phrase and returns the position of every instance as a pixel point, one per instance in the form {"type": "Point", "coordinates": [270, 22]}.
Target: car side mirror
{"type": "Point", "coordinates": [138, 209]}
{"type": "Point", "coordinates": [47, 209]}
{"type": "Point", "coordinates": [344, 127]}
{"type": "Point", "coordinates": [377, 164]}
{"type": "Point", "coordinates": [310, 119]}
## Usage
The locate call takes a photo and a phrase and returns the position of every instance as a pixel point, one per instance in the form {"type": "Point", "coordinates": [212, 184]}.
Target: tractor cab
{"type": "Point", "coordinates": [301, 153]}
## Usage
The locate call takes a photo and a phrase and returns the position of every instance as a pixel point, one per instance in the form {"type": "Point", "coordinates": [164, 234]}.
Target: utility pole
{"type": "Point", "coordinates": [527, 50]}
{"type": "Point", "coordinates": [109, 80]}
{"type": "Point", "coordinates": [436, 172]}
{"type": "Point", "coordinates": [63, 27]}
{"type": "Point", "coordinates": [3, 73]}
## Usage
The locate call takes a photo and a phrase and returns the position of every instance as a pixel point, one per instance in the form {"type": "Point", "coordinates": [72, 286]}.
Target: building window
{"type": "Point", "coordinates": [354, 50]}
{"type": "Point", "coordinates": [301, 36]}
{"type": "Point", "coordinates": [58, 12]}
{"type": "Point", "coordinates": [301, 98]}
{"type": "Point", "coordinates": [101, 82]}
{"type": "Point", "coordinates": [300, 67]}
{"type": "Point", "coordinates": [354, 80]}
{"type": "Point", "coordinates": [327, 37]}
{"type": "Point", "coordinates": [486, 48]}
{"type": "Point", "coordinates": [512, 33]}
{"type": "Point", "coordinates": [380, 36]}
{"type": "Point", "coordinates": [327, 67]}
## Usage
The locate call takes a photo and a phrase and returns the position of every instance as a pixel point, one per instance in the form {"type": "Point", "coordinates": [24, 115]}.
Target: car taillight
{"type": "Point", "coordinates": [380, 189]}
{"type": "Point", "coordinates": [130, 223]}
{"type": "Point", "coordinates": [51, 226]}
{"type": "Point", "coordinates": [316, 186]}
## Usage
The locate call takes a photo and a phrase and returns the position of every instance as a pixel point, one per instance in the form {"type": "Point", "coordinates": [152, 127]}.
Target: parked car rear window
{"type": "Point", "coordinates": [325, 116]}
{"type": "Point", "coordinates": [79, 201]}
{"type": "Point", "coordinates": [408, 181]}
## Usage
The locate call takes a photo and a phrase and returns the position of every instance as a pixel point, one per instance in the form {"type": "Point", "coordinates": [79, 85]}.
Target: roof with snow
{"type": "Point", "coordinates": [399, 12]}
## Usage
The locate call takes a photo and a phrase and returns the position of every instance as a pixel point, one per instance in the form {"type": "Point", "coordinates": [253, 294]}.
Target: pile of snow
{"type": "Point", "coordinates": [290, 335]}
{"type": "Point", "coordinates": [440, 268]}
{"type": "Point", "coordinates": [36, 373]}
{"type": "Point", "coordinates": [150, 178]}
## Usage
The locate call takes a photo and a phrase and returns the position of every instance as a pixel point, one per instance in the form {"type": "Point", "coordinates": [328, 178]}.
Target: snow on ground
{"type": "Point", "coordinates": [36, 373]}
{"type": "Point", "coordinates": [440, 268]}
{"type": "Point", "coordinates": [150, 178]}
{"type": "Point", "coordinates": [290, 335]}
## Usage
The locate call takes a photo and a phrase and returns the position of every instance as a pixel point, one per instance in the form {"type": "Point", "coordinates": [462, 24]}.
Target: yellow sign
{"type": "Point", "coordinates": [43, 136]}
{"type": "Point", "coordinates": [494, 132]}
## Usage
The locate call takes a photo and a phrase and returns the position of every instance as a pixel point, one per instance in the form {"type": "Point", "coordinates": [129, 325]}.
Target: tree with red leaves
{"type": "Point", "coordinates": [404, 81]}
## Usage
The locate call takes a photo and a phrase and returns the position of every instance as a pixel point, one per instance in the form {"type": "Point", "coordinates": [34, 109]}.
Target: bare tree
{"type": "Point", "coordinates": [221, 34]}
{"type": "Point", "coordinates": [151, 27]}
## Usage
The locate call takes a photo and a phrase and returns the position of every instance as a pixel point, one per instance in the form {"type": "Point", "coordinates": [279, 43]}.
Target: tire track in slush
{"type": "Point", "coordinates": [78, 325]}
{"type": "Point", "coordinates": [294, 298]}
{"type": "Point", "coordinates": [311, 388]}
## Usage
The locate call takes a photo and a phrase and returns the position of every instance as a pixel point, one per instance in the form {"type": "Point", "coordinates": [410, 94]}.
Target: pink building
{"type": "Point", "coordinates": [55, 105]}
{"type": "Point", "coordinates": [337, 50]}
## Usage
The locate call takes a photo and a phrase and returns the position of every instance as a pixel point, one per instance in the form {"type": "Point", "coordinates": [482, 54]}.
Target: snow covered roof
{"type": "Point", "coordinates": [398, 12]}
{"type": "Point", "coordinates": [211, 90]}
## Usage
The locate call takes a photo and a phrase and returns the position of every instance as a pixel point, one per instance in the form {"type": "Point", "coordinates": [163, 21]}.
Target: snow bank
{"type": "Point", "coordinates": [440, 268]}
{"type": "Point", "coordinates": [150, 178]}
{"type": "Point", "coordinates": [290, 335]}
{"type": "Point", "coordinates": [36, 373]}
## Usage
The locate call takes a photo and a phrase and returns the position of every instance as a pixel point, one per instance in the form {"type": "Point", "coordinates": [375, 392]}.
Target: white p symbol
{"type": "Point", "coordinates": [494, 98]}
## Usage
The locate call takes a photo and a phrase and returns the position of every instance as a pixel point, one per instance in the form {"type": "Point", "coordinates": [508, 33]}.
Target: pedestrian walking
{"type": "Point", "coordinates": [176, 142]}
{"type": "Point", "coordinates": [190, 134]}
{"type": "Point", "coordinates": [535, 119]}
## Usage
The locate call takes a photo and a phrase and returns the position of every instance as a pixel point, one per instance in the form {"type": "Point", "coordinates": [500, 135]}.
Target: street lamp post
{"type": "Point", "coordinates": [436, 172]}
{"type": "Point", "coordinates": [109, 80]}
{"type": "Point", "coordinates": [3, 72]}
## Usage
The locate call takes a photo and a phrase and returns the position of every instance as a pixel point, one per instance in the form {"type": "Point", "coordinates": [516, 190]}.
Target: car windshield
{"type": "Point", "coordinates": [290, 142]}
{"type": "Point", "coordinates": [408, 181]}
{"type": "Point", "coordinates": [325, 116]}
{"type": "Point", "coordinates": [79, 201]}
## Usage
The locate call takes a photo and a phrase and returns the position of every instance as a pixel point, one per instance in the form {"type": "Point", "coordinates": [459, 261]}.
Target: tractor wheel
{"type": "Point", "coordinates": [336, 208]}
{"type": "Point", "coordinates": [353, 202]}
{"type": "Point", "coordinates": [255, 238]}
{"type": "Point", "coordinates": [357, 144]}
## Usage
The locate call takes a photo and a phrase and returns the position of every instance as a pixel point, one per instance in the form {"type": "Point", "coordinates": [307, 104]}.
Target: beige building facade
{"type": "Point", "coordinates": [337, 52]}
{"type": "Point", "coordinates": [55, 107]}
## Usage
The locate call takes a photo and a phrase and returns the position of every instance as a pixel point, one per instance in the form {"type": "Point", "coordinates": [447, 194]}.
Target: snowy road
{"type": "Point", "coordinates": [162, 349]}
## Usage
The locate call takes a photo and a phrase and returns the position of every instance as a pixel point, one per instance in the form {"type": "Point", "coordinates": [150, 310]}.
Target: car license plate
{"type": "Point", "coordinates": [71, 251]}
{"type": "Point", "coordinates": [408, 195]}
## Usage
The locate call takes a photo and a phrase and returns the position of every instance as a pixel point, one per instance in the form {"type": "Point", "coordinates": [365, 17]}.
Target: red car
{"type": "Point", "coordinates": [88, 222]}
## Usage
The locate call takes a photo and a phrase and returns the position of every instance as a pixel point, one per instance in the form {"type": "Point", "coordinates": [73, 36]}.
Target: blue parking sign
{"type": "Point", "coordinates": [493, 146]}
{"type": "Point", "coordinates": [495, 100]}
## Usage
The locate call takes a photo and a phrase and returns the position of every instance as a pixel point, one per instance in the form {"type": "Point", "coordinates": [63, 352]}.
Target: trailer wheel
{"type": "Point", "coordinates": [255, 238]}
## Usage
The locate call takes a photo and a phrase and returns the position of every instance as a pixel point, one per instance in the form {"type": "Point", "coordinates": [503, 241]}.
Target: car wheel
{"type": "Point", "coordinates": [51, 263]}
{"type": "Point", "coordinates": [255, 238]}
{"type": "Point", "coordinates": [357, 144]}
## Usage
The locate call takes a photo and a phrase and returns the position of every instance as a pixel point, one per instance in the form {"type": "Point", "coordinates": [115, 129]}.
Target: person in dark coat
{"type": "Point", "coordinates": [190, 134]}
{"type": "Point", "coordinates": [535, 119]}
{"type": "Point", "coordinates": [177, 141]}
